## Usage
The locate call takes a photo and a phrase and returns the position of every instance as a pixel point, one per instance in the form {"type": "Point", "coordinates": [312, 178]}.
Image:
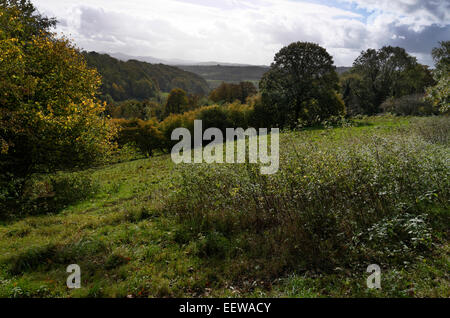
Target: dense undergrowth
{"type": "Point", "coordinates": [344, 198]}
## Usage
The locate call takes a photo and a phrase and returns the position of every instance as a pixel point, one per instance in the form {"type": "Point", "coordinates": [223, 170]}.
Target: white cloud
{"type": "Point", "coordinates": [247, 31]}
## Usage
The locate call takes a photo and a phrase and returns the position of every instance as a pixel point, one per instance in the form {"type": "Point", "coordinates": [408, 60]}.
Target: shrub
{"type": "Point", "coordinates": [439, 95]}
{"type": "Point", "coordinates": [47, 194]}
{"type": "Point", "coordinates": [312, 213]}
{"type": "Point", "coordinates": [433, 129]}
{"type": "Point", "coordinates": [144, 134]}
{"type": "Point", "coordinates": [410, 105]}
{"type": "Point", "coordinates": [174, 121]}
{"type": "Point", "coordinates": [396, 237]}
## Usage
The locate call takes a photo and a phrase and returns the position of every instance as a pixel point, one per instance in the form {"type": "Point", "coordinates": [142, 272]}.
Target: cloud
{"type": "Point", "coordinates": [418, 13]}
{"type": "Point", "coordinates": [248, 31]}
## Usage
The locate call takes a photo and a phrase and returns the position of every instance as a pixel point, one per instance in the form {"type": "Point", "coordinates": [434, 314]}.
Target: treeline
{"type": "Point", "coordinates": [385, 75]}
{"type": "Point", "coordinates": [150, 135]}
{"type": "Point", "coordinates": [179, 101]}
{"type": "Point", "coordinates": [302, 88]}
{"type": "Point", "coordinates": [140, 80]}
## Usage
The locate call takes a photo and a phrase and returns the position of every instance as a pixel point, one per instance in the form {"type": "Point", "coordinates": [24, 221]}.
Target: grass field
{"type": "Point", "coordinates": [134, 236]}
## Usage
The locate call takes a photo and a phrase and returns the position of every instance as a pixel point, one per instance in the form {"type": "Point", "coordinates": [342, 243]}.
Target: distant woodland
{"type": "Point", "coordinates": [139, 80]}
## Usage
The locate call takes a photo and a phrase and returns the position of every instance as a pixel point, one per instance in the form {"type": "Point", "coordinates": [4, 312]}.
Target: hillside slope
{"type": "Point", "coordinates": [216, 74]}
{"type": "Point", "coordinates": [129, 243]}
{"type": "Point", "coordinates": [140, 80]}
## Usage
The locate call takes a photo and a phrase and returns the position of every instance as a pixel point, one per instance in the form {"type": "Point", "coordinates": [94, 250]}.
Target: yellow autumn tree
{"type": "Point", "coordinates": [49, 115]}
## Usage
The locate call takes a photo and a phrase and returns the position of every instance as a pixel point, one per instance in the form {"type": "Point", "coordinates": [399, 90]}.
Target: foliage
{"type": "Point", "coordinates": [134, 109]}
{"type": "Point", "coordinates": [32, 23]}
{"type": "Point", "coordinates": [379, 74]}
{"type": "Point", "coordinates": [409, 105]}
{"type": "Point", "coordinates": [174, 121]}
{"type": "Point", "coordinates": [140, 80]}
{"type": "Point", "coordinates": [441, 57]}
{"type": "Point", "coordinates": [54, 122]}
{"type": "Point", "coordinates": [439, 95]}
{"type": "Point", "coordinates": [144, 134]}
{"type": "Point", "coordinates": [336, 202]}
{"type": "Point", "coordinates": [227, 73]}
{"type": "Point", "coordinates": [127, 247]}
{"type": "Point", "coordinates": [302, 84]}
{"type": "Point", "coordinates": [43, 194]}
{"type": "Point", "coordinates": [176, 102]}
{"type": "Point", "coordinates": [49, 116]}
{"type": "Point", "coordinates": [228, 93]}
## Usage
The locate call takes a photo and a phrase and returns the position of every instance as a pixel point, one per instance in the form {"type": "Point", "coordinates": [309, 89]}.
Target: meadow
{"type": "Point", "coordinates": [374, 190]}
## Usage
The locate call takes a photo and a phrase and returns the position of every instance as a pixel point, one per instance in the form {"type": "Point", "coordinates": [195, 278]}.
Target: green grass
{"type": "Point", "coordinates": [128, 240]}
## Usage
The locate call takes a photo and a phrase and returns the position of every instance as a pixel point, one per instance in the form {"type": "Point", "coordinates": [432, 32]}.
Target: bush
{"type": "Point", "coordinates": [396, 237]}
{"type": "Point", "coordinates": [46, 194]}
{"type": "Point", "coordinates": [144, 134]}
{"type": "Point", "coordinates": [175, 121]}
{"type": "Point", "coordinates": [312, 213]}
{"type": "Point", "coordinates": [433, 129]}
{"type": "Point", "coordinates": [410, 105]}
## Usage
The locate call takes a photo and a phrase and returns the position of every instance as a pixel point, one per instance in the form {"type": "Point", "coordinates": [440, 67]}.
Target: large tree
{"type": "Point", "coordinates": [380, 74]}
{"type": "Point", "coordinates": [301, 84]}
{"type": "Point", "coordinates": [31, 22]}
{"type": "Point", "coordinates": [49, 116]}
{"type": "Point", "coordinates": [177, 102]}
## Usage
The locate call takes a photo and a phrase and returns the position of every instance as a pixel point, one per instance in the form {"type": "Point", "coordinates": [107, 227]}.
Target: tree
{"type": "Point", "coordinates": [439, 95]}
{"type": "Point", "coordinates": [49, 116]}
{"type": "Point", "coordinates": [380, 74]}
{"type": "Point", "coordinates": [248, 89]}
{"type": "Point", "coordinates": [144, 134]}
{"type": "Point", "coordinates": [176, 102]}
{"type": "Point", "coordinates": [441, 57]}
{"type": "Point", "coordinates": [301, 84]}
{"type": "Point", "coordinates": [30, 21]}
{"type": "Point", "coordinates": [130, 109]}
{"type": "Point", "coordinates": [139, 80]}
{"type": "Point", "coordinates": [228, 93]}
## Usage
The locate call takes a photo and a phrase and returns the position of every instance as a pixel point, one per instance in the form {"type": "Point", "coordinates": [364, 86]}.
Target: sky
{"type": "Point", "coordinates": [250, 31]}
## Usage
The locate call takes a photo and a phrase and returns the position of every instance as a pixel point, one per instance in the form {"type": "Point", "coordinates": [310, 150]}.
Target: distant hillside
{"type": "Point", "coordinates": [342, 69]}
{"type": "Point", "coordinates": [173, 62]}
{"type": "Point", "coordinates": [216, 74]}
{"type": "Point", "coordinates": [213, 72]}
{"type": "Point", "coordinates": [140, 80]}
